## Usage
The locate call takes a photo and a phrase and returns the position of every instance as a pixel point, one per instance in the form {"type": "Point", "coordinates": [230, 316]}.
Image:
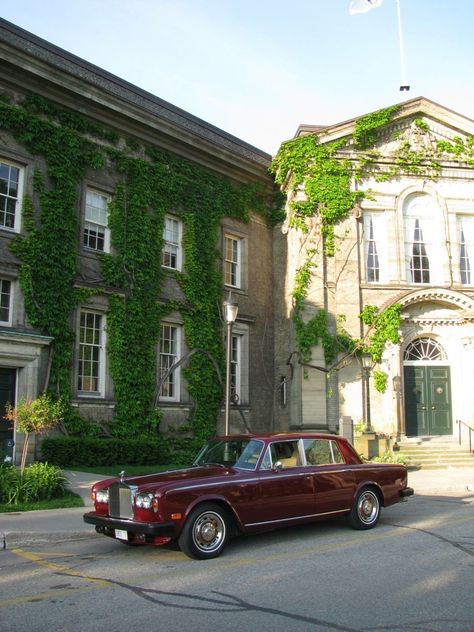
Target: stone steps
{"type": "Point", "coordinates": [436, 453]}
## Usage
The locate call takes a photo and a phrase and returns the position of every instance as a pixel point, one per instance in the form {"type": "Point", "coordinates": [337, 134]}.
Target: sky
{"type": "Point", "coordinates": [259, 68]}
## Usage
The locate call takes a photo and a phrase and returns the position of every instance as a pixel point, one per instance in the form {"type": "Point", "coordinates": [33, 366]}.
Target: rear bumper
{"type": "Point", "coordinates": [408, 491]}
{"type": "Point", "coordinates": [166, 529]}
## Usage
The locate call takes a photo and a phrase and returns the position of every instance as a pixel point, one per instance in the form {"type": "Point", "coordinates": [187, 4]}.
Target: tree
{"type": "Point", "coordinates": [34, 416]}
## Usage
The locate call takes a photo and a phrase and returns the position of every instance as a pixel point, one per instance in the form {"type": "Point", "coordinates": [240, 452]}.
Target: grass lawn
{"type": "Point", "coordinates": [65, 502]}
{"type": "Point", "coordinates": [73, 500]}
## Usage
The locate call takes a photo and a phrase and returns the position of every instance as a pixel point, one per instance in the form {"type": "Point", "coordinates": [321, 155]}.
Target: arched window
{"type": "Point", "coordinates": [424, 349]}
{"type": "Point", "coordinates": [424, 238]}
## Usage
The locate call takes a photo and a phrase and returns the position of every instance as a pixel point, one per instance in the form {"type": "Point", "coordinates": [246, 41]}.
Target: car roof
{"type": "Point", "coordinates": [282, 436]}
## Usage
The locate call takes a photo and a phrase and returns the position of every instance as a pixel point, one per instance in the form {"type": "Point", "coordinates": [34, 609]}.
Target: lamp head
{"type": "Point", "coordinates": [366, 360]}
{"type": "Point", "coordinates": [231, 309]}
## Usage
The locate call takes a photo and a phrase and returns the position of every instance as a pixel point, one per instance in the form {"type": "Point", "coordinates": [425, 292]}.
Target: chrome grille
{"type": "Point", "coordinates": [121, 501]}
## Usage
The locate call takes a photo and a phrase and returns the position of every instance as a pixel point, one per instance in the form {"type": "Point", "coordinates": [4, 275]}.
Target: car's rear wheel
{"type": "Point", "coordinates": [365, 511]}
{"type": "Point", "coordinates": [206, 532]}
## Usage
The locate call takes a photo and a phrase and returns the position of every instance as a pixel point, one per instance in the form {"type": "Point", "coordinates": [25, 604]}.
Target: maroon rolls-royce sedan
{"type": "Point", "coordinates": [245, 484]}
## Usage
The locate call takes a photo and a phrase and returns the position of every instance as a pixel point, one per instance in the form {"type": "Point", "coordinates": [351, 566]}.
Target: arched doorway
{"type": "Point", "coordinates": [427, 389]}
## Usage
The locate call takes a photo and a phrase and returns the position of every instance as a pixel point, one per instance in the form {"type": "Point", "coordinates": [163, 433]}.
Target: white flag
{"type": "Point", "coordinates": [362, 6]}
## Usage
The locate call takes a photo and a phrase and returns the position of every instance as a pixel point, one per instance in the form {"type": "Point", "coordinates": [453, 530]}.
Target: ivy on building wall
{"type": "Point", "coordinates": [149, 186]}
{"type": "Point", "coordinates": [48, 247]}
{"type": "Point", "coordinates": [319, 179]}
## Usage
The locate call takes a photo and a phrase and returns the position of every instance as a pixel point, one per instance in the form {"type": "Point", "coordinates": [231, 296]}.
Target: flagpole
{"type": "Point", "coordinates": [403, 86]}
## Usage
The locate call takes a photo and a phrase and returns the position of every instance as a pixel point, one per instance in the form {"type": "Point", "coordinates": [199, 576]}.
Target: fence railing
{"type": "Point", "coordinates": [465, 429]}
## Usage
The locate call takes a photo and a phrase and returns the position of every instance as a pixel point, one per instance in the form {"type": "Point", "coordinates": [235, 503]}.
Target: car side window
{"type": "Point", "coordinates": [322, 452]}
{"type": "Point", "coordinates": [286, 452]}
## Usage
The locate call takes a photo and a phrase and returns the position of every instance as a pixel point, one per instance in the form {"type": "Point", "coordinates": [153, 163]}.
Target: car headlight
{"type": "Point", "coordinates": [144, 501]}
{"type": "Point", "coordinates": [102, 496]}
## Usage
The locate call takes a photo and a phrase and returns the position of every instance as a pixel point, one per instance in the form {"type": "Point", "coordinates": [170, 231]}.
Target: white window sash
{"type": "Point", "coordinates": [169, 353]}
{"type": "Point", "coordinates": [6, 198]}
{"type": "Point", "coordinates": [232, 263]}
{"type": "Point", "coordinates": [236, 366]}
{"type": "Point", "coordinates": [465, 224]}
{"type": "Point", "coordinates": [6, 298]}
{"type": "Point", "coordinates": [172, 243]}
{"type": "Point", "coordinates": [96, 220]}
{"type": "Point", "coordinates": [86, 356]}
{"type": "Point", "coordinates": [378, 239]}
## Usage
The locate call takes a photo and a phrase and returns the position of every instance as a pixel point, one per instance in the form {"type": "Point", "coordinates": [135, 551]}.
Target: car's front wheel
{"type": "Point", "coordinates": [205, 532]}
{"type": "Point", "coordinates": [365, 511]}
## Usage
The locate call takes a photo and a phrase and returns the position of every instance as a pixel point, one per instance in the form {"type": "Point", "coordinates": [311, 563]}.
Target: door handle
{"type": "Point", "coordinates": [423, 408]}
{"type": "Point", "coordinates": [433, 407]}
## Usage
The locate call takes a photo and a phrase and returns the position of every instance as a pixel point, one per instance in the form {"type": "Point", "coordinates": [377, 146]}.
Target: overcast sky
{"type": "Point", "coordinates": [259, 68]}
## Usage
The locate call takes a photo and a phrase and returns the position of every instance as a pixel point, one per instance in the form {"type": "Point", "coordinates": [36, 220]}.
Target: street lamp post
{"type": "Point", "coordinates": [231, 309]}
{"type": "Point", "coordinates": [366, 370]}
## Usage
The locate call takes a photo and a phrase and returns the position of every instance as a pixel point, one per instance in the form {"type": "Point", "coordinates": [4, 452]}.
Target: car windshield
{"type": "Point", "coordinates": [241, 453]}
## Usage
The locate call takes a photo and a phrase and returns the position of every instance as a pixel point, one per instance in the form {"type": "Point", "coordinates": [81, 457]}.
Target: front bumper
{"type": "Point", "coordinates": [408, 491]}
{"type": "Point", "coordinates": [164, 529]}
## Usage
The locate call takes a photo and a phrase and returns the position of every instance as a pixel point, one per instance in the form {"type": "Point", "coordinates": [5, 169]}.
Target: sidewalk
{"type": "Point", "coordinates": [19, 529]}
{"type": "Point", "coordinates": [40, 527]}
{"type": "Point", "coordinates": [459, 480]}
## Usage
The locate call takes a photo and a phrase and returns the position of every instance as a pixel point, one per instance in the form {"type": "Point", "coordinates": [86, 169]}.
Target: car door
{"type": "Point", "coordinates": [333, 480]}
{"type": "Point", "coordinates": [286, 489]}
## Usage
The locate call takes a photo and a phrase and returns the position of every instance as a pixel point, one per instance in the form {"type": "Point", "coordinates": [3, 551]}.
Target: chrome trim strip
{"type": "Point", "coordinates": [260, 479]}
{"type": "Point", "coordinates": [213, 484]}
{"type": "Point", "coordinates": [326, 513]}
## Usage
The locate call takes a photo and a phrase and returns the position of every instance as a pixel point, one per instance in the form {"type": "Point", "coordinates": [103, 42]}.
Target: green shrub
{"type": "Point", "coordinates": [392, 457]}
{"type": "Point", "coordinates": [9, 483]}
{"type": "Point", "coordinates": [39, 481]}
{"type": "Point", "coordinates": [42, 481]}
{"type": "Point", "coordinates": [70, 452]}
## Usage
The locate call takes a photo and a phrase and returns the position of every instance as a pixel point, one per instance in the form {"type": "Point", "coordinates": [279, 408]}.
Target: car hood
{"type": "Point", "coordinates": [161, 479]}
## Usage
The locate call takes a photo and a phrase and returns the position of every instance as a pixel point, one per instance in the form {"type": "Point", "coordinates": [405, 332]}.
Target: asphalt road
{"type": "Point", "coordinates": [415, 571]}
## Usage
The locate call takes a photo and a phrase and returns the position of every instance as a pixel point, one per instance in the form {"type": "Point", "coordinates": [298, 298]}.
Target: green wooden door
{"type": "Point", "coordinates": [7, 395]}
{"type": "Point", "coordinates": [427, 400]}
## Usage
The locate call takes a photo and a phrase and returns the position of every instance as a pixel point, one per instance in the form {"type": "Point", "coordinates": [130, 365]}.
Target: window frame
{"type": "Point", "coordinates": [236, 268]}
{"type": "Point", "coordinates": [18, 200]}
{"type": "Point", "coordinates": [421, 273]}
{"type": "Point", "coordinates": [101, 347]}
{"type": "Point", "coordinates": [236, 367]}
{"type": "Point", "coordinates": [106, 237]}
{"type": "Point", "coordinates": [8, 322]}
{"type": "Point", "coordinates": [178, 245]}
{"type": "Point", "coordinates": [465, 227]}
{"type": "Point", "coordinates": [425, 239]}
{"type": "Point", "coordinates": [176, 375]}
{"type": "Point", "coordinates": [371, 249]}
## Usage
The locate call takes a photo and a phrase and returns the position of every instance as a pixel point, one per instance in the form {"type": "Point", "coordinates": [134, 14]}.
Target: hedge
{"type": "Point", "coordinates": [68, 452]}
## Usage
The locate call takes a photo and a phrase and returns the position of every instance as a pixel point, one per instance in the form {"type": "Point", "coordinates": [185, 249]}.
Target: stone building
{"type": "Point", "coordinates": [406, 240]}
{"type": "Point", "coordinates": [380, 220]}
{"type": "Point", "coordinates": [70, 91]}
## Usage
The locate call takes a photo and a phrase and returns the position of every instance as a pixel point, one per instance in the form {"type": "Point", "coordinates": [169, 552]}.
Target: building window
{"type": "Point", "coordinates": [465, 226]}
{"type": "Point", "coordinates": [464, 264]}
{"type": "Point", "coordinates": [232, 261]}
{"type": "Point", "coordinates": [236, 369]}
{"type": "Point", "coordinates": [91, 353]}
{"type": "Point", "coordinates": [96, 231]}
{"type": "Point", "coordinates": [373, 268]}
{"type": "Point", "coordinates": [10, 195]}
{"type": "Point", "coordinates": [171, 253]}
{"type": "Point", "coordinates": [419, 262]}
{"type": "Point", "coordinates": [169, 354]}
{"type": "Point", "coordinates": [5, 301]}
{"type": "Point", "coordinates": [424, 350]}
{"type": "Point", "coordinates": [426, 254]}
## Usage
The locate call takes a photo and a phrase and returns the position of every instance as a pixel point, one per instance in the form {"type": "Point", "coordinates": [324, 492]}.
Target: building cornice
{"type": "Point", "coordinates": [29, 62]}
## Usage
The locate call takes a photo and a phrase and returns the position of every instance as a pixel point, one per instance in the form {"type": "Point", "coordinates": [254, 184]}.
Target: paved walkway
{"type": "Point", "coordinates": [35, 527]}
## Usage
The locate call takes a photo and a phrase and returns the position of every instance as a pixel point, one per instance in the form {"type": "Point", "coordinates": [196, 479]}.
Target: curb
{"type": "Point", "coordinates": [16, 540]}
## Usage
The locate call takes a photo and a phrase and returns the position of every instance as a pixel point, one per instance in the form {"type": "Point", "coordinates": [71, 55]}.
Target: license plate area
{"type": "Point", "coordinates": [121, 534]}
